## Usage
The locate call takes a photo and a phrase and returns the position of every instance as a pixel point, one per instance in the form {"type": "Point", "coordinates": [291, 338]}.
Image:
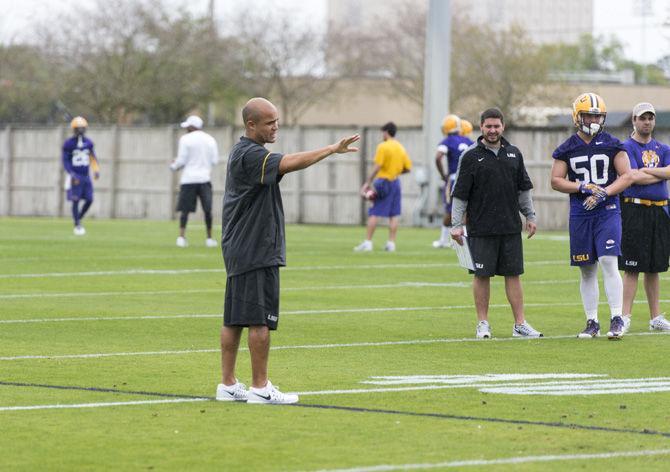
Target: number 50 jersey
{"type": "Point", "coordinates": [590, 163]}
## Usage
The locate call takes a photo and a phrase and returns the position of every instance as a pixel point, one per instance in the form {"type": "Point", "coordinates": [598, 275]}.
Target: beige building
{"type": "Point", "coordinates": [372, 102]}
{"type": "Point", "coordinates": [545, 21]}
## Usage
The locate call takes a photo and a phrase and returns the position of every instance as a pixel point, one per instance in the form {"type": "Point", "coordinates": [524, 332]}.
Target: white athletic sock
{"type": "Point", "coordinates": [613, 284]}
{"type": "Point", "coordinates": [588, 286]}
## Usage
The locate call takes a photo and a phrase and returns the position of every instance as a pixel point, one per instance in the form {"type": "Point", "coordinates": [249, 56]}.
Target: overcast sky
{"type": "Point", "coordinates": [644, 38]}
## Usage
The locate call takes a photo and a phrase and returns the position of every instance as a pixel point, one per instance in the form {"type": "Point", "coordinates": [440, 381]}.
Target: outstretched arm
{"type": "Point", "coordinates": [302, 160]}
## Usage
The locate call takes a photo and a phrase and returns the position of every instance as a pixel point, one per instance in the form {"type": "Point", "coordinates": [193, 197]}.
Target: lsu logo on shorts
{"type": "Point", "coordinates": [581, 257]}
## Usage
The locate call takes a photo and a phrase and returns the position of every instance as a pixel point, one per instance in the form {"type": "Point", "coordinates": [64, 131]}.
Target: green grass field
{"type": "Point", "coordinates": [109, 360]}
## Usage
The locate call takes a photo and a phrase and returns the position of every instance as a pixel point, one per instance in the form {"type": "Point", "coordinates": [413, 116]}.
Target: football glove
{"type": "Point", "coordinates": [592, 189]}
{"type": "Point", "coordinates": [592, 201]}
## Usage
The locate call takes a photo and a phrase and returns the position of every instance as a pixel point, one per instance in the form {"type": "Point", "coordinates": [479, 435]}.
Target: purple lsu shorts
{"type": "Point", "coordinates": [82, 191]}
{"type": "Point", "coordinates": [595, 236]}
{"type": "Point", "coordinates": [387, 203]}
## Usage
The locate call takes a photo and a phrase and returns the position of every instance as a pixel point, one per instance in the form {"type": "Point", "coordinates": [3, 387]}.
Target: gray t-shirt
{"type": "Point", "coordinates": [253, 215]}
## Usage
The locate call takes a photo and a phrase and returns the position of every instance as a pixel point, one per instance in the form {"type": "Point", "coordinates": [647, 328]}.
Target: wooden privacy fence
{"type": "Point", "coordinates": [136, 182]}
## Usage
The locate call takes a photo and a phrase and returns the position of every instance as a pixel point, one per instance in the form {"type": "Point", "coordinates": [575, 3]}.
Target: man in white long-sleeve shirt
{"type": "Point", "coordinates": [196, 155]}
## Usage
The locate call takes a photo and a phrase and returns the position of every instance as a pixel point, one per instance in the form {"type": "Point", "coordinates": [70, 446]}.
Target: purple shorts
{"type": "Point", "coordinates": [388, 199]}
{"type": "Point", "coordinates": [82, 191]}
{"type": "Point", "coordinates": [593, 237]}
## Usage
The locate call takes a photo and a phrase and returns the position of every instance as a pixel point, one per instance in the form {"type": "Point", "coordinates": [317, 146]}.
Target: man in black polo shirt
{"type": "Point", "coordinates": [492, 187]}
{"type": "Point", "coordinates": [254, 247]}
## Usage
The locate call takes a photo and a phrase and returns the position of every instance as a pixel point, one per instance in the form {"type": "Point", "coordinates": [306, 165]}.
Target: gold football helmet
{"type": "Point", "coordinates": [466, 128]}
{"type": "Point", "coordinates": [451, 124]}
{"type": "Point", "coordinates": [78, 122]}
{"type": "Point", "coordinates": [591, 104]}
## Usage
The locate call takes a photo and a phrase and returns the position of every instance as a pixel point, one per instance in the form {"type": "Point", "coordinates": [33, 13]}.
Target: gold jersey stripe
{"type": "Point", "coordinates": [263, 170]}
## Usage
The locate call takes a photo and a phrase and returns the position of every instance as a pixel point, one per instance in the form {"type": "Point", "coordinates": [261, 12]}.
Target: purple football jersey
{"type": "Point", "coordinates": [652, 154]}
{"type": "Point", "coordinates": [453, 146]}
{"type": "Point", "coordinates": [590, 163]}
{"type": "Point", "coordinates": [77, 152]}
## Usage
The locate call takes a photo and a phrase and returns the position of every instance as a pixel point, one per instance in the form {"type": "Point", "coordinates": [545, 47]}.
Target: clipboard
{"type": "Point", "coordinates": [464, 254]}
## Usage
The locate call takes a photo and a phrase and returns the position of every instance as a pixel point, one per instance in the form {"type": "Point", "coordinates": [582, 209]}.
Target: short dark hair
{"type": "Point", "coordinates": [492, 113]}
{"type": "Point", "coordinates": [390, 128]}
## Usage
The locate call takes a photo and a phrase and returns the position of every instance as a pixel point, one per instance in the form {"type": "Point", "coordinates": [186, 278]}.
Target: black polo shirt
{"type": "Point", "coordinates": [253, 215]}
{"type": "Point", "coordinates": [491, 185]}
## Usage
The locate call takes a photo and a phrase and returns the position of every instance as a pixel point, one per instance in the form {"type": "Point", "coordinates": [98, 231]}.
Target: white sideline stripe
{"type": "Point", "coordinates": [543, 388]}
{"type": "Point", "coordinates": [509, 460]}
{"type": "Point", "coordinates": [100, 405]}
{"type": "Point", "coordinates": [305, 346]}
{"type": "Point", "coordinates": [8, 296]}
{"type": "Point", "coordinates": [205, 271]}
{"type": "Point", "coordinates": [293, 312]}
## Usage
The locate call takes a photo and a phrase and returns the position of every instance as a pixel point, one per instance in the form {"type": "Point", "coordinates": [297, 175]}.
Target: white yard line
{"type": "Point", "coordinates": [464, 285]}
{"type": "Point", "coordinates": [304, 346]}
{"type": "Point", "coordinates": [288, 312]}
{"type": "Point", "coordinates": [509, 460]}
{"type": "Point", "coordinates": [100, 405]}
{"type": "Point", "coordinates": [607, 386]}
{"type": "Point", "coordinates": [221, 270]}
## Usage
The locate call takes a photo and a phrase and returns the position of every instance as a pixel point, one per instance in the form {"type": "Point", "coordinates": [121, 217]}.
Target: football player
{"type": "Point", "coordinates": [645, 245]}
{"type": "Point", "coordinates": [79, 160]}
{"type": "Point", "coordinates": [451, 147]}
{"type": "Point", "coordinates": [593, 167]}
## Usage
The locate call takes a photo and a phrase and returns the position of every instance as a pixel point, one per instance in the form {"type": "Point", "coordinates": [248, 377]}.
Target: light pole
{"type": "Point", "coordinates": [435, 95]}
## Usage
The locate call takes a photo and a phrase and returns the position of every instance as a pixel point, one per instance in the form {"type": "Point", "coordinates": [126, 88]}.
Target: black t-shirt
{"type": "Point", "coordinates": [491, 186]}
{"type": "Point", "coordinates": [253, 215]}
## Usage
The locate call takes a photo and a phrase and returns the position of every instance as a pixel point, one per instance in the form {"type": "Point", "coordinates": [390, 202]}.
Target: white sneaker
{"type": "Point", "coordinates": [181, 242]}
{"type": "Point", "coordinates": [231, 393]}
{"type": "Point", "coordinates": [483, 330]}
{"type": "Point", "coordinates": [270, 394]}
{"type": "Point", "coordinates": [390, 246]}
{"type": "Point", "coordinates": [439, 244]}
{"type": "Point", "coordinates": [209, 242]}
{"type": "Point", "coordinates": [364, 246]}
{"type": "Point", "coordinates": [79, 231]}
{"type": "Point", "coordinates": [660, 323]}
{"type": "Point", "coordinates": [525, 330]}
{"type": "Point", "coordinates": [626, 323]}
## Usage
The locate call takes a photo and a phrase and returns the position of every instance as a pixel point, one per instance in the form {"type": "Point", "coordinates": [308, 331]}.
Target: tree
{"type": "Point", "coordinates": [488, 67]}
{"type": "Point", "coordinates": [504, 69]}
{"type": "Point", "coordinates": [123, 61]}
{"type": "Point", "coordinates": [392, 47]}
{"type": "Point", "coordinates": [283, 59]}
{"type": "Point", "coordinates": [26, 90]}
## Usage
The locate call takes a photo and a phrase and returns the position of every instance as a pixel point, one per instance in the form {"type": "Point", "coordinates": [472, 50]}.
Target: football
{"type": "Point", "coordinates": [369, 194]}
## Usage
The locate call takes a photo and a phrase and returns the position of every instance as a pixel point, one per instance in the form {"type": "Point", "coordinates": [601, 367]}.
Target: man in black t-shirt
{"type": "Point", "coordinates": [254, 247]}
{"type": "Point", "coordinates": [492, 187]}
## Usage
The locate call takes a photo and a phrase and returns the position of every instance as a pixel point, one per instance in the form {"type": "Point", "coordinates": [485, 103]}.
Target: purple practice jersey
{"type": "Point", "coordinates": [453, 146]}
{"type": "Point", "coordinates": [653, 154]}
{"type": "Point", "coordinates": [77, 152]}
{"type": "Point", "coordinates": [590, 163]}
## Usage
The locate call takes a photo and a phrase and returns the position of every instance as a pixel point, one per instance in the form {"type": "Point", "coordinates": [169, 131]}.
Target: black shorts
{"type": "Point", "coordinates": [645, 241]}
{"type": "Point", "coordinates": [497, 255]}
{"type": "Point", "coordinates": [188, 193]}
{"type": "Point", "coordinates": [252, 299]}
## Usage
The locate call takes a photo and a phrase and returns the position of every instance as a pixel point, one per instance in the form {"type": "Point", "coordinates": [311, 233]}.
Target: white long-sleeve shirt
{"type": "Point", "coordinates": [197, 154]}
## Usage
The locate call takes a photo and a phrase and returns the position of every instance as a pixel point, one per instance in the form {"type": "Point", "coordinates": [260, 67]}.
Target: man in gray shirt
{"type": "Point", "coordinates": [254, 247]}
